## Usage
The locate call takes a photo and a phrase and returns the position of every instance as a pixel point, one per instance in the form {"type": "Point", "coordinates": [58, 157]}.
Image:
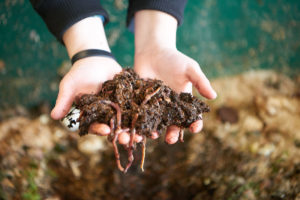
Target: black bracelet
{"type": "Point", "coordinates": [89, 53]}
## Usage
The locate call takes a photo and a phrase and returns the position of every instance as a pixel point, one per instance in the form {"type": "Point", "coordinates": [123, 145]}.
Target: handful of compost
{"type": "Point", "coordinates": [129, 103]}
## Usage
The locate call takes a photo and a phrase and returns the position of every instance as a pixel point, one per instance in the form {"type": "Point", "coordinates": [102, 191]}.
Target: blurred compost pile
{"type": "Point", "coordinates": [249, 149]}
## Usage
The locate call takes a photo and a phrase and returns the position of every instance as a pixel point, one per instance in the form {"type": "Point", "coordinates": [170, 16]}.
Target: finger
{"type": "Point", "coordinates": [188, 88]}
{"type": "Point", "coordinates": [99, 129]}
{"type": "Point", "coordinates": [154, 135]}
{"type": "Point", "coordinates": [172, 134]}
{"type": "Point", "coordinates": [196, 126]}
{"type": "Point", "coordinates": [199, 80]}
{"type": "Point", "coordinates": [124, 138]}
{"type": "Point", "coordinates": [64, 101]}
{"type": "Point", "coordinates": [138, 138]}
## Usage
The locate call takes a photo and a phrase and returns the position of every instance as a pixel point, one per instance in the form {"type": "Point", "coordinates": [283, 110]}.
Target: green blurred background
{"type": "Point", "coordinates": [225, 37]}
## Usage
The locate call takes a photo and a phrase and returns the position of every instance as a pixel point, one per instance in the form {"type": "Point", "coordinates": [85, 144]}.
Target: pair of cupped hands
{"type": "Point", "coordinates": [153, 59]}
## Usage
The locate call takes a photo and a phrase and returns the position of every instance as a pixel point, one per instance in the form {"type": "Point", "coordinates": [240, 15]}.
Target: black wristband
{"type": "Point", "coordinates": [89, 53]}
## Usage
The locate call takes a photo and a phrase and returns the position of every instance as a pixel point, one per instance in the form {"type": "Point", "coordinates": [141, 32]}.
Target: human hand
{"type": "Point", "coordinates": [179, 72]}
{"type": "Point", "coordinates": [86, 75]}
{"type": "Point", "coordinates": [156, 57]}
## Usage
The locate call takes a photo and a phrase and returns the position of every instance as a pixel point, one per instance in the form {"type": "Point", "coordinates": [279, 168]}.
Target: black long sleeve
{"type": "Point", "coordinates": [59, 15]}
{"type": "Point", "coordinates": [172, 7]}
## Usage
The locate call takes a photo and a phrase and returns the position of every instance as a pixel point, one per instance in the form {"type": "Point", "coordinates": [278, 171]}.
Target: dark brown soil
{"type": "Point", "coordinates": [156, 105]}
{"type": "Point", "coordinates": [129, 103]}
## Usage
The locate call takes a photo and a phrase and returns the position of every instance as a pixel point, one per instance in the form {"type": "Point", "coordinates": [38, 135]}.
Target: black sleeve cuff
{"type": "Point", "coordinates": [59, 15]}
{"type": "Point", "coordinates": [172, 7]}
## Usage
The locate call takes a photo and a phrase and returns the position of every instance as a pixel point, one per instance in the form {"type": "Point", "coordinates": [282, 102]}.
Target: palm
{"type": "Point", "coordinates": [85, 77]}
{"type": "Point", "coordinates": [169, 66]}
{"type": "Point", "coordinates": [178, 72]}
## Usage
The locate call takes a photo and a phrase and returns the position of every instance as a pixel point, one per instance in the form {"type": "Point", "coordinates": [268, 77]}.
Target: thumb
{"type": "Point", "coordinates": [199, 80]}
{"type": "Point", "coordinates": [65, 98]}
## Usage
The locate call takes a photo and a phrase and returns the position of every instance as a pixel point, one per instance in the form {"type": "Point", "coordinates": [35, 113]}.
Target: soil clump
{"type": "Point", "coordinates": [130, 104]}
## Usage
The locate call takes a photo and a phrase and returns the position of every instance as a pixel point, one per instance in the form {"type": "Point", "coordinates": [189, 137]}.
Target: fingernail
{"type": "Point", "coordinates": [154, 135]}
{"type": "Point", "coordinates": [193, 130]}
{"type": "Point", "coordinates": [124, 138]}
{"type": "Point", "coordinates": [214, 94]}
{"type": "Point", "coordinates": [138, 138]}
{"type": "Point", "coordinates": [53, 114]}
{"type": "Point", "coordinates": [101, 129]}
{"type": "Point", "coordinates": [172, 140]}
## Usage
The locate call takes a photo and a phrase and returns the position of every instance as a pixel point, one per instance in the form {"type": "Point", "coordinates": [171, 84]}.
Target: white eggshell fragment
{"type": "Point", "coordinates": [70, 120]}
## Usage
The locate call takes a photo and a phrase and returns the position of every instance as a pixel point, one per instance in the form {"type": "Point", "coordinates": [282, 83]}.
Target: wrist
{"type": "Point", "coordinates": [91, 53]}
{"type": "Point", "coordinates": [86, 34]}
{"type": "Point", "coordinates": [154, 29]}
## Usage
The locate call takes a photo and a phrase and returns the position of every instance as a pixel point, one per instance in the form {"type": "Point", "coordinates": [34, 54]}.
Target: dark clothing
{"type": "Point", "coordinates": [172, 7]}
{"type": "Point", "coordinates": [59, 15]}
